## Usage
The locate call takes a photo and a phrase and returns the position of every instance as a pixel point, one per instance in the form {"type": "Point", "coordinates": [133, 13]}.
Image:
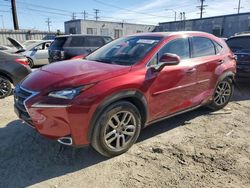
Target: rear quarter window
{"type": "Point", "coordinates": [202, 47]}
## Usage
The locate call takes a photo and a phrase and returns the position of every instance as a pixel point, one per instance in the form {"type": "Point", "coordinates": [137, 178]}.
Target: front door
{"type": "Point", "coordinates": [173, 88]}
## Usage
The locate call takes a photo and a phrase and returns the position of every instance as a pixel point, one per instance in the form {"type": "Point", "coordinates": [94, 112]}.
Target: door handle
{"type": "Point", "coordinates": [221, 61]}
{"type": "Point", "coordinates": [191, 70]}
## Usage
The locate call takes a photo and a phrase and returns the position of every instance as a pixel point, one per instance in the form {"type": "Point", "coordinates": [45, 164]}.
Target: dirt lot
{"type": "Point", "coordinates": [196, 149]}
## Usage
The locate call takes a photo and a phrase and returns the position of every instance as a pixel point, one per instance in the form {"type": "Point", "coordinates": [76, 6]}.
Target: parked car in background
{"type": "Point", "coordinates": [240, 45]}
{"type": "Point", "coordinates": [13, 69]}
{"type": "Point", "coordinates": [35, 51]}
{"type": "Point", "coordinates": [30, 42]}
{"type": "Point", "coordinates": [5, 48]}
{"type": "Point", "coordinates": [126, 85]}
{"type": "Point", "coordinates": [68, 46]}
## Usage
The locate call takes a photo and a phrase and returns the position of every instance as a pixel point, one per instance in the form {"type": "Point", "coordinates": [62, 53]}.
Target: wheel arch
{"type": "Point", "coordinates": [135, 97]}
{"type": "Point", "coordinates": [6, 75]}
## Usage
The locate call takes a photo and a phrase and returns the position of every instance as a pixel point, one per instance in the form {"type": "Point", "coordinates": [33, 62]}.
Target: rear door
{"type": "Point", "coordinates": [206, 58]}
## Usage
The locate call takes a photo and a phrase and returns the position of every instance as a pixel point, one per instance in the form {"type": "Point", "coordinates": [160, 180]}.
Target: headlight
{"type": "Point", "coordinates": [69, 93]}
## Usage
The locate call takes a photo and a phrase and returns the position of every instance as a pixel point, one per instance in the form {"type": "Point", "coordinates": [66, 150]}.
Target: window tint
{"type": "Point", "coordinates": [77, 41]}
{"type": "Point", "coordinates": [239, 44]}
{"type": "Point", "coordinates": [94, 41]}
{"type": "Point", "coordinates": [178, 46]}
{"type": "Point", "coordinates": [58, 43]}
{"type": "Point", "coordinates": [202, 47]}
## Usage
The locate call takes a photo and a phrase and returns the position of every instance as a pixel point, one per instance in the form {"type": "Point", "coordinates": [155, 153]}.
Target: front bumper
{"type": "Point", "coordinates": [54, 121]}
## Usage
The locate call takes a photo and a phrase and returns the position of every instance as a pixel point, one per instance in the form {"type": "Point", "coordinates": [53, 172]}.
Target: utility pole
{"type": "Point", "coordinates": [73, 16]}
{"type": "Point", "coordinates": [85, 15]}
{"type": "Point", "coordinates": [181, 15]}
{"type": "Point", "coordinates": [239, 7]}
{"type": "Point", "coordinates": [14, 14]}
{"type": "Point", "coordinates": [202, 8]}
{"type": "Point", "coordinates": [96, 11]}
{"type": "Point", "coordinates": [175, 13]}
{"type": "Point", "coordinates": [48, 22]}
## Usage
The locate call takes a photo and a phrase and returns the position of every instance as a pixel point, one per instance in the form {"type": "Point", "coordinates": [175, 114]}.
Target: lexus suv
{"type": "Point", "coordinates": [107, 98]}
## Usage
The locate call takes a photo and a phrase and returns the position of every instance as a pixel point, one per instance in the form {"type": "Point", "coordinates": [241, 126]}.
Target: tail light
{"type": "Point", "coordinates": [22, 62]}
{"type": "Point", "coordinates": [78, 57]}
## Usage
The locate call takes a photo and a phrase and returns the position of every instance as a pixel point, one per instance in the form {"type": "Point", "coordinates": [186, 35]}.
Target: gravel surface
{"type": "Point", "coordinates": [196, 149]}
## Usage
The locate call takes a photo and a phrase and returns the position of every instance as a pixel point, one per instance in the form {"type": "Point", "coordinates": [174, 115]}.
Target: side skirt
{"type": "Point", "coordinates": [172, 115]}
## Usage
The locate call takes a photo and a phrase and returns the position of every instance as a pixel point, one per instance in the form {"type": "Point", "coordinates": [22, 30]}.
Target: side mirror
{"type": "Point", "coordinates": [167, 59]}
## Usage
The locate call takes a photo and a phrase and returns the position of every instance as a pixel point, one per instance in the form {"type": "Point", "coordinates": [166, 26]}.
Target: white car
{"type": "Point", "coordinates": [36, 53]}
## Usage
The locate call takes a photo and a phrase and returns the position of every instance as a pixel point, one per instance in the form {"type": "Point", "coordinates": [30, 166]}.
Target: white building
{"type": "Point", "coordinates": [106, 28]}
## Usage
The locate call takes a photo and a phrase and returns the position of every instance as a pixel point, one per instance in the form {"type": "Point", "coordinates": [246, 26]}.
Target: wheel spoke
{"type": "Point", "coordinates": [116, 118]}
{"type": "Point", "coordinates": [110, 134]}
{"type": "Point", "coordinates": [118, 146]}
{"type": "Point", "coordinates": [111, 124]}
{"type": "Point", "coordinates": [110, 140]}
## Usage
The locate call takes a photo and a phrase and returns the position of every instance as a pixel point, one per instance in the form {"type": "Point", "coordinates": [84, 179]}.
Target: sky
{"type": "Point", "coordinates": [32, 14]}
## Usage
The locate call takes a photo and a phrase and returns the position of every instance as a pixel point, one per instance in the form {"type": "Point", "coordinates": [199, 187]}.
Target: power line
{"type": "Point", "coordinates": [96, 12]}
{"type": "Point", "coordinates": [48, 23]}
{"type": "Point", "coordinates": [202, 8]}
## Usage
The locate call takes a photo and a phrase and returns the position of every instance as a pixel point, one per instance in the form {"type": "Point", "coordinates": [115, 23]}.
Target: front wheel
{"type": "Point", "coordinates": [117, 129]}
{"type": "Point", "coordinates": [222, 94]}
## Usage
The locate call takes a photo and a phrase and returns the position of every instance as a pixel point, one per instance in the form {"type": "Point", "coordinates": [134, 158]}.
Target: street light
{"type": "Point", "coordinates": [175, 13]}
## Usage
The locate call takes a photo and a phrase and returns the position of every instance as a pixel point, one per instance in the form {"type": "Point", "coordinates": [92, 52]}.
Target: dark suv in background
{"type": "Point", "coordinates": [68, 46]}
{"type": "Point", "coordinates": [240, 45]}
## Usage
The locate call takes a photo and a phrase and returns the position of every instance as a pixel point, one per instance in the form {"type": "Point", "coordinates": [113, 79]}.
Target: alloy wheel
{"type": "Point", "coordinates": [4, 88]}
{"type": "Point", "coordinates": [223, 93]}
{"type": "Point", "coordinates": [120, 130]}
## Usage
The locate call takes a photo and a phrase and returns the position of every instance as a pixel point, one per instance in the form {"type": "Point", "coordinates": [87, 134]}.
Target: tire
{"type": "Point", "coordinates": [222, 94]}
{"type": "Point", "coordinates": [5, 87]}
{"type": "Point", "coordinates": [30, 62]}
{"type": "Point", "coordinates": [112, 136]}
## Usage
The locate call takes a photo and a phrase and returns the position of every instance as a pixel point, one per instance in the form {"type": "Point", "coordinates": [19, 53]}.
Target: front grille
{"type": "Point", "coordinates": [20, 95]}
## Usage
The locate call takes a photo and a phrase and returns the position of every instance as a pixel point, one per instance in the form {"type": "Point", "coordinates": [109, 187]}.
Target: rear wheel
{"type": "Point", "coordinates": [117, 129]}
{"type": "Point", "coordinates": [5, 87]}
{"type": "Point", "coordinates": [30, 62]}
{"type": "Point", "coordinates": [223, 93]}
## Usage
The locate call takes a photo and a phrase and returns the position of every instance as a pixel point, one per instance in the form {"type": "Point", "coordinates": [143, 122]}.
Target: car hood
{"type": "Point", "coordinates": [67, 74]}
{"type": "Point", "coordinates": [16, 44]}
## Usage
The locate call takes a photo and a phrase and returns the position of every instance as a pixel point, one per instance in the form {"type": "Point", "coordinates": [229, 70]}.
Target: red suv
{"type": "Point", "coordinates": [107, 98]}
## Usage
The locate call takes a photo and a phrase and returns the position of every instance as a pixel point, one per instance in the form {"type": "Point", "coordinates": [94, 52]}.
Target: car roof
{"type": "Point", "coordinates": [81, 35]}
{"type": "Point", "coordinates": [239, 36]}
{"type": "Point", "coordinates": [167, 34]}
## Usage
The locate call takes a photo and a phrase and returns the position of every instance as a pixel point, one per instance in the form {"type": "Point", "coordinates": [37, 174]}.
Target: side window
{"type": "Point", "coordinates": [218, 47]}
{"type": "Point", "coordinates": [77, 42]}
{"type": "Point", "coordinates": [95, 41]}
{"type": "Point", "coordinates": [202, 47]}
{"type": "Point", "coordinates": [179, 47]}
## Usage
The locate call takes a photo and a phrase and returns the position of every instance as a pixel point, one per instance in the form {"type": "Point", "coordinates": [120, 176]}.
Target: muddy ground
{"type": "Point", "coordinates": [196, 149]}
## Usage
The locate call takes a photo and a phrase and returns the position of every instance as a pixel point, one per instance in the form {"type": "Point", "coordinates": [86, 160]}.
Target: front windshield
{"type": "Point", "coordinates": [125, 51]}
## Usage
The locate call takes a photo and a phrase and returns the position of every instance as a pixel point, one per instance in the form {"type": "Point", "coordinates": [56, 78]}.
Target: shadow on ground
{"type": "Point", "coordinates": [26, 158]}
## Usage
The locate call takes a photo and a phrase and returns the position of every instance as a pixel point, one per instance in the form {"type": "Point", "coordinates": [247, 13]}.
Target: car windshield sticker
{"type": "Point", "coordinates": [147, 41]}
